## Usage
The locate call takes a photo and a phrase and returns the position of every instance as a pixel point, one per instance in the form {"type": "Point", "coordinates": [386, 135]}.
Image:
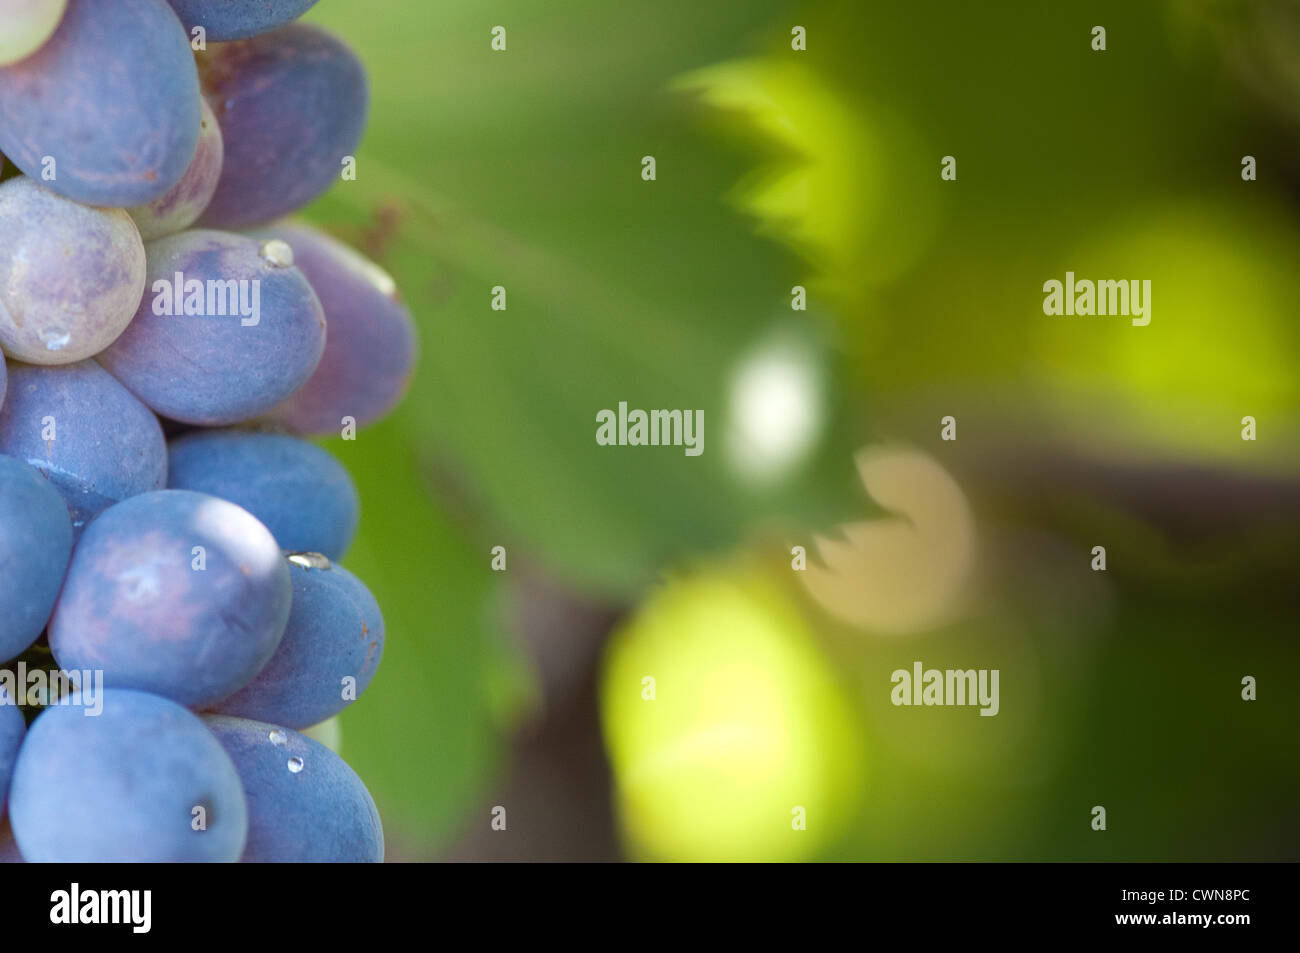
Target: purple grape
{"type": "Point", "coordinates": [71, 277]}
{"type": "Point", "coordinates": [181, 207]}
{"type": "Point", "coordinates": [370, 347]}
{"type": "Point", "coordinates": [292, 105]}
{"type": "Point", "coordinates": [258, 340]}
{"type": "Point", "coordinates": [12, 730]}
{"type": "Point", "coordinates": [305, 805]}
{"type": "Point", "coordinates": [142, 781]}
{"type": "Point", "coordinates": [239, 19]}
{"type": "Point", "coordinates": [85, 433]}
{"type": "Point", "coordinates": [176, 593]}
{"type": "Point", "coordinates": [35, 544]}
{"type": "Point", "coordinates": [112, 98]}
{"type": "Point", "coordinates": [331, 649]}
{"type": "Point", "coordinates": [299, 491]}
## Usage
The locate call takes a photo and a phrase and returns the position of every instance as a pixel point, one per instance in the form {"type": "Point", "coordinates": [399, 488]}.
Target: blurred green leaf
{"type": "Point", "coordinates": [424, 736]}
{"type": "Point", "coordinates": [523, 169]}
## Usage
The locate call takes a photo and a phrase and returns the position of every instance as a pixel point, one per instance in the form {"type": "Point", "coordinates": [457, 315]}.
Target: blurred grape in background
{"type": "Point", "coordinates": [520, 696]}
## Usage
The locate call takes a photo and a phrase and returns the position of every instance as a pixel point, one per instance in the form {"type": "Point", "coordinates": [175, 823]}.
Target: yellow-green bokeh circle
{"type": "Point", "coordinates": [747, 724]}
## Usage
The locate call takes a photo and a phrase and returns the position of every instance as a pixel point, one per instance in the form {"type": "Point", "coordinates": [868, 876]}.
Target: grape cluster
{"type": "Point", "coordinates": [168, 538]}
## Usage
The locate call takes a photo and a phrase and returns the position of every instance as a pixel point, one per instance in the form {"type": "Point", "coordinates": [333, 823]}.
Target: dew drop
{"type": "Point", "coordinates": [56, 339]}
{"type": "Point", "coordinates": [277, 253]}
{"type": "Point", "coordinates": [277, 737]}
{"type": "Point", "coordinates": [295, 765]}
{"type": "Point", "coordinates": [309, 560]}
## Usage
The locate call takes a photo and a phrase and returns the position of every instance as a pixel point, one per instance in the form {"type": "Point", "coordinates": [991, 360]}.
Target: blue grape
{"type": "Point", "coordinates": [71, 277]}
{"type": "Point", "coordinates": [125, 786]}
{"type": "Point", "coordinates": [181, 207]}
{"type": "Point", "coordinates": [213, 368]}
{"type": "Point", "coordinates": [28, 24]}
{"type": "Point", "coordinates": [370, 347]}
{"type": "Point", "coordinates": [305, 805]}
{"type": "Point", "coordinates": [292, 105]}
{"type": "Point", "coordinates": [176, 593]}
{"type": "Point", "coordinates": [112, 98]}
{"type": "Point", "coordinates": [12, 729]}
{"type": "Point", "coordinates": [85, 433]}
{"type": "Point", "coordinates": [239, 19]}
{"type": "Point", "coordinates": [35, 544]}
{"type": "Point", "coordinates": [301, 493]}
{"type": "Point", "coordinates": [335, 632]}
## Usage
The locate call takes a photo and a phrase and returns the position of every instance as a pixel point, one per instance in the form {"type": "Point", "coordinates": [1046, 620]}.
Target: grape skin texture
{"type": "Point", "coordinates": [107, 445]}
{"type": "Point", "coordinates": [35, 544]}
{"type": "Point", "coordinates": [320, 813]}
{"type": "Point", "coordinates": [136, 605]}
{"type": "Point", "coordinates": [28, 24]}
{"type": "Point", "coordinates": [370, 344]}
{"type": "Point", "coordinates": [292, 104]}
{"type": "Point", "coordinates": [213, 370]}
{"type": "Point", "coordinates": [299, 491]}
{"type": "Point", "coordinates": [71, 277]}
{"type": "Point", "coordinates": [181, 207]}
{"type": "Point", "coordinates": [335, 631]}
{"type": "Point", "coordinates": [239, 19]}
{"type": "Point", "coordinates": [113, 97]}
{"type": "Point", "coordinates": [189, 571]}
{"type": "Point", "coordinates": [12, 729]}
{"type": "Point", "coordinates": [123, 786]}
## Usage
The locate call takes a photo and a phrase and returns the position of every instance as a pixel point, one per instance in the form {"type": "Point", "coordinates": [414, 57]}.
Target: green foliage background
{"type": "Point", "coordinates": [521, 169]}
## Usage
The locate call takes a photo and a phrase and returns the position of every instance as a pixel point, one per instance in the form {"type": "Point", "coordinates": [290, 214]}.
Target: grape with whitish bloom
{"type": "Point", "coordinates": [181, 207]}
{"type": "Point", "coordinates": [35, 544]}
{"type": "Point", "coordinates": [85, 433]}
{"type": "Point", "coordinates": [299, 491]}
{"type": "Point", "coordinates": [305, 804]}
{"type": "Point", "coordinates": [122, 326]}
{"type": "Point", "coordinates": [292, 106]}
{"type": "Point", "coordinates": [241, 332]}
{"type": "Point", "coordinates": [12, 730]}
{"type": "Point", "coordinates": [27, 25]}
{"type": "Point", "coordinates": [71, 276]}
{"type": "Point", "coordinates": [141, 781]}
{"type": "Point", "coordinates": [175, 593]}
{"type": "Point", "coordinates": [331, 649]}
{"type": "Point", "coordinates": [238, 19]}
{"type": "Point", "coordinates": [107, 111]}
{"type": "Point", "coordinates": [370, 347]}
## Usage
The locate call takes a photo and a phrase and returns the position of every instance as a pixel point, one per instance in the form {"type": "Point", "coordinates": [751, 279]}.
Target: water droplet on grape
{"type": "Point", "coordinates": [277, 253]}
{"type": "Point", "coordinates": [295, 765]}
{"type": "Point", "coordinates": [309, 560]}
{"type": "Point", "coordinates": [277, 737]}
{"type": "Point", "coordinates": [56, 339]}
